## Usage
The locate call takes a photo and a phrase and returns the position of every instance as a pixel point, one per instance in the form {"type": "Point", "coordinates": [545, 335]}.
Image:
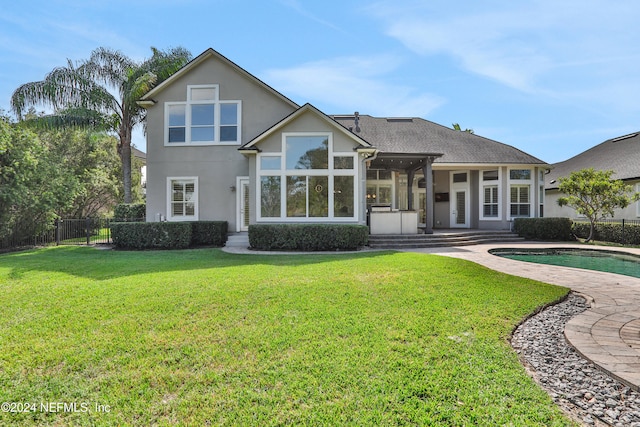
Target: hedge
{"type": "Point", "coordinates": [208, 233]}
{"type": "Point", "coordinates": [308, 237]}
{"type": "Point", "coordinates": [610, 232]}
{"type": "Point", "coordinates": [168, 235]}
{"type": "Point", "coordinates": [544, 228]}
{"type": "Point", "coordinates": [130, 212]}
{"type": "Point", "coordinates": [151, 235]}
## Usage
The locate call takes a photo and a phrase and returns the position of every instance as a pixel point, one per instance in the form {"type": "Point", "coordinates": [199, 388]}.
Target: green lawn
{"type": "Point", "coordinates": [201, 337]}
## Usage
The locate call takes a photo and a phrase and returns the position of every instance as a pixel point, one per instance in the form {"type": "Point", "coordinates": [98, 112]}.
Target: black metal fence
{"type": "Point", "coordinates": [82, 231]}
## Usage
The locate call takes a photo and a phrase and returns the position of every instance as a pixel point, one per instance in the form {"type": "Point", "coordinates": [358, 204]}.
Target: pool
{"type": "Point", "coordinates": [589, 259]}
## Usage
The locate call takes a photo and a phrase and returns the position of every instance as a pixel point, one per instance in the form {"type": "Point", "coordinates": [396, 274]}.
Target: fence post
{"type": "Point", "coordinates": [57, 225]}
{"type": "Point", "coordinates": [88, 230]}
{"type": "Point", "coordinates": [623, 239]}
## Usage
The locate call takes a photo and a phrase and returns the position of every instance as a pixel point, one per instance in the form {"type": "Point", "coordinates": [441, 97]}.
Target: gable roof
{"type": "Point", "coordinates": [416, 135]}
{"type": "Point", "coordinates": [207, 54]}
{"type": "Point", "coordinates": [293, 116]}
{"type": "Point", "coordinates": [621, 154]}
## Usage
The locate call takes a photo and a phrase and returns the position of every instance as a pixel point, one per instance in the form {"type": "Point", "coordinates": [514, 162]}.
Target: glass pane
{"type": "Point", "coordinates": [524, 195]}
{"type": "Point", "coordinates": [307, 152]}
{"type": "Point", "coordinates": [228, 133]}
{"type": "Point", "coordinates": [202, 114]}
{"type": "Point", "coordinates": [319, 196]}
{"type": "Point", "coordinates": [270, 163]}
{"type": "Point", "coordinates": [372, 174]}
{"type": "Point", "coordinates": [176, 115]}
{"type": "Point", "coordinates": [177, 134]}
{"type": "Point", "coordinates": [202, 133]}
{"type": "Point", "coordinates": [460, 177]}
{"type": "Point", "coordinates": [228, 114]}
{"type": "Point", "coordinates": [343, 162]}
{"type": "Point", "coordinates": [372, 195]}
{"type": "Point", "coordinates": [490, 175]}
{"type": "Point", "coordinates": [190, 209]}
{"type": "Point", "coordinates": [343, 196]}
{"type": "Point", "coordinates": [177, 209]}
{"type": "Point", "coordinates": [203, 94]}
{"type": "Point", "coordinates": [520, 174]}
{"type": "Point", "coordinates": [384, 175]}
{"type": "Point", "coordinates": [514, 194]}
{"type": "Point", "coordinates": [296, 196]}
{"type": "Point", "coordinates": [270, 196]}
{"type": "Point", "coordinates": [178, 192]}
{"type": "Point", "coordinates": [384, 194]}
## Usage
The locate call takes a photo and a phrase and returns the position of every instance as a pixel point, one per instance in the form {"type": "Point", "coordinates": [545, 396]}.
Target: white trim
{"type": "Point", "coordinates": [460, 186]}
{"type": "Point", "coordinates": [240, 215]}
{"type": "Point", "coordinates": [216, 102]}
{"type": "Point", "coordinates": [330, 173]}
{"type": "Point", "coordinates": [481, 185]}
{"type": "Point", "coordinates": [194, 217]}
{"type": "Point", "coordinates": [533, 201]}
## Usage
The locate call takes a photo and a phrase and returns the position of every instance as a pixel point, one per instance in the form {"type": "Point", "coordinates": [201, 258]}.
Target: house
{"type": "Point", "coordinates": [620, 154]}
{"type": "Point", "coordinates": [223, 145]}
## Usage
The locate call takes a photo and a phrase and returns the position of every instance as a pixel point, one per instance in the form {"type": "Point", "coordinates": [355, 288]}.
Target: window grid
{"type": "Point", "coordinates": [203, 119]}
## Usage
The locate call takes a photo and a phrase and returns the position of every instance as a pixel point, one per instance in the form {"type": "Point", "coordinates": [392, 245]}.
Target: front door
{"type": "Point", "coordinates": [460, 201]}
{"type": "Point", "coordinates": [242, 201]}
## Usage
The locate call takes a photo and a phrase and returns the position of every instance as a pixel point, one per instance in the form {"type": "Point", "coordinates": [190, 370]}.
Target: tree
{"type": "Point", "coordinates": [595, 195]}
{"type": "Point", "coordinates": [457, 127]}
{"type": "Point", "coordinates": [100, 93]}
{"type": "Point", "coordinates": [33, 186]}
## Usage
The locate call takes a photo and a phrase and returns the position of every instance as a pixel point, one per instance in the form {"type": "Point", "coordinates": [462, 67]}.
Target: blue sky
{"type": "Point", "coordinates": [550, 77]}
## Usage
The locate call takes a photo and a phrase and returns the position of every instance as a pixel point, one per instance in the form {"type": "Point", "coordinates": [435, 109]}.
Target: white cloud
{"type": "Point", "coordinates": [350, 84]}
{"type": "Point", "coordinates": [521, 44]}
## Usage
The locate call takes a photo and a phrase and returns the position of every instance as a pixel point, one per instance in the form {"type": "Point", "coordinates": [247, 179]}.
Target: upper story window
{"type": "Point", "coordinates": [203, 119]}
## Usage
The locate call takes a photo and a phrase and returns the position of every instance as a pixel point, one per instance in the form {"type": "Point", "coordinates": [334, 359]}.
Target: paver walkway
{"type": "Point", "coordinates": [608, 333]}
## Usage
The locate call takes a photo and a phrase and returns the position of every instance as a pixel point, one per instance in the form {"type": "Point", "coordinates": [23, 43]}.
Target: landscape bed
{"type": "Point", "coordinates": [202, 337]}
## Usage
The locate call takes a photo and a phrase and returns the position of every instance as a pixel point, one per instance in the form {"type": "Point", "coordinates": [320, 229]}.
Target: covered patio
{"type": "Point", "coordinates": [390, 219]}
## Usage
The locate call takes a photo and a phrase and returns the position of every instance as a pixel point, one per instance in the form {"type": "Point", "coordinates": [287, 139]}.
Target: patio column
{"type": "Point", "coordinates": [427, 170]}
{"type": "Point", "coordinates": [410, 175]}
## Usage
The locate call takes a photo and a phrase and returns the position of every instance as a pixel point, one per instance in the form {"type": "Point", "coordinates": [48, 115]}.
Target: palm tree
{"type": "Point", "coordinates": [456, 126]}
{"type": "Point", "coordinates": [101, 92]}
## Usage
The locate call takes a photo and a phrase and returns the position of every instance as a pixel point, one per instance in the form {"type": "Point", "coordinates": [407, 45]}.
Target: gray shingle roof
{"type": "Point", "coordinates": [621, 154]}
{"type": "Point", "coordinates": [416, 135]}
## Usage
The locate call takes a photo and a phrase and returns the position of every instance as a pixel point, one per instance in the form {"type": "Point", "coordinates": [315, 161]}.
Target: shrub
{"type": "Point", "coordinates": [208, 233]}
{"type": "Point", "coordinates": [151, 235]}
{"type": "Point", "coordinates": [308, 237]}
{"type": "Point", "coordinates": [130, 212]}
{"type": "Point", "coordinates": [544, 228]}
{"type": "Point", "coordinates": [610, 232]}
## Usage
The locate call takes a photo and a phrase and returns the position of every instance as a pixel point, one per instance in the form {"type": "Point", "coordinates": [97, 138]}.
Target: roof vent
{"type": "Point", "coordinates": [620, 138]}
{"type": "Point", "coordinates": [399, 120]}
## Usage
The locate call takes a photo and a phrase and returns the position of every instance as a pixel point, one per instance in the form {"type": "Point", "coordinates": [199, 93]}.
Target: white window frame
{"type": "Point", "coordinates": [522, 183]}
{"type": "Point", "coordinates": [373, 199]}
{"type": "Point", "coordinates": [283, 173]}
{"type": "Point", "coordinates": [170, 216]}
{"type": "Point", "coordinates": [490, 183]}
{"type": "Point", "coordinates": [216, 102]}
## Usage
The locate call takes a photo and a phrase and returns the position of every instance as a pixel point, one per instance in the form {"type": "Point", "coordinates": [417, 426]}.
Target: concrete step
{"type": "Point", "coordinates": [440, 239]}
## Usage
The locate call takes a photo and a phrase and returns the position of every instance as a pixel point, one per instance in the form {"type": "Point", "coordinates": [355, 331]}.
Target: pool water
{"type": "Point", "coordinates": [589, 259]}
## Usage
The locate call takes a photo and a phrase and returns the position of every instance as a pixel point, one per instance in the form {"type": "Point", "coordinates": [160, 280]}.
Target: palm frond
{"type": "Point", "coordinates": [72, 118]}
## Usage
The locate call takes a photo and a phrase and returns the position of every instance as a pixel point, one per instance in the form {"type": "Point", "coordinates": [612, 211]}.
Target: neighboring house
{"type": "Point", "coordinates": [621, 155]}
{"type": "Point", "coordinates": [223, 145]}
{"type": "Point", "coordinates": [141, 157]}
